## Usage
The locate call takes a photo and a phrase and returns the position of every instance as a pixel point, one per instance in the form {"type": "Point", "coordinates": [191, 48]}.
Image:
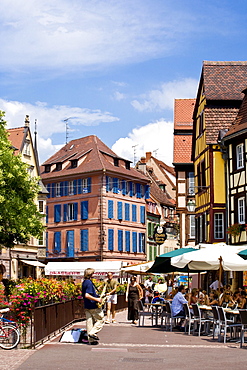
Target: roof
{"type": "Point", "coordinates": [165, 167]}
{"type": "Point", "coordinates": [224, 80]}
{"type": "Point", "coordinates": [17, 137]}
{"type": "Point", "coordinates": [241, 120]}
{"type": "Point", "coordinates": [183, 112]}
{"type": "Point", "coordinates": [218, 119]}
{"type": "Point", "coordinates": [92, 155]}
{"type": "Point", "coordinates": [158, 194]}
{"type": "Point", "coordinates": [183, 125]}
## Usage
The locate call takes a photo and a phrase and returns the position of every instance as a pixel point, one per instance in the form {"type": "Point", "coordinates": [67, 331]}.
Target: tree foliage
{"type": "Point", "coordinates": [19, 216]}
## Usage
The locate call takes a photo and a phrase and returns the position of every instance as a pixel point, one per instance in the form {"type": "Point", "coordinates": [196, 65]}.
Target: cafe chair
{"type": "Point", "coordinates": [189, 320]}
{"type": "Point", "coordinates": [142, 314]}
{"type": "Point", "coordinates": [243, 318]}
{"type": "Point", "coordinates": [171, 320]}
{"type": "Point", "coordinates": [226, 323]}
{"type": "Point", "coordinates": [216, 321]}
{"type": "Point", "coordinates": [198, 319]}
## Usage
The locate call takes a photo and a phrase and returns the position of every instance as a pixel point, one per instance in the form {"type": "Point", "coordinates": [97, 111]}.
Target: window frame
{"type": "Point", "coordinates": [216, 237]}
{"type": "Point", "coordinates": [241, 210]}
{"type": "Point", "coordinates": [240, 156]}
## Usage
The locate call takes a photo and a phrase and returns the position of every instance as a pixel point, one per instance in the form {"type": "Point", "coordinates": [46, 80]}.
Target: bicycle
{"type": "Point", "coordinates": [9, 332]}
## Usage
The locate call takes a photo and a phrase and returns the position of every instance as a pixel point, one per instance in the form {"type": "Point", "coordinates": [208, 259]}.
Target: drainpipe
{"type": "Point", "coordinates": [102, 216]}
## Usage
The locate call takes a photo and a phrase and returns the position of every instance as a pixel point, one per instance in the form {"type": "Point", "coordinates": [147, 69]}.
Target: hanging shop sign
{"type": "Point", "coordinates": [160, 235]}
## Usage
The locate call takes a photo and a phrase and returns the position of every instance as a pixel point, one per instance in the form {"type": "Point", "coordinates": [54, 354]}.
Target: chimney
{"type": "Point", "coordinates": [142, 165]}
{"type": "Point", "coordinates": [148, 156]}
{"type": "Point", "coordinates": [27, 121]}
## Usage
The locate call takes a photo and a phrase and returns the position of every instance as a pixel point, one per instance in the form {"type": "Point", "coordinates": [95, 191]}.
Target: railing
{"type": "Point", "coordinates": [50, 319]}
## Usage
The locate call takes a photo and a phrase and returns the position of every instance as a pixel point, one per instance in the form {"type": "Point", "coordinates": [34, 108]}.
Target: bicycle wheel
{"type": "Point", "coordinates": [9, 337]}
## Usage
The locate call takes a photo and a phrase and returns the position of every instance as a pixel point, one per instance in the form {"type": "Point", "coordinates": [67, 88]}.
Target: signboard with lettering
{"type": "Point", "coordinates": [160, 234]}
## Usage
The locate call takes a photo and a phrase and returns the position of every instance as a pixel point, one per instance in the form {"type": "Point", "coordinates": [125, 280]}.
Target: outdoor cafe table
{"type": "Point", "coordinates": [156, 306]}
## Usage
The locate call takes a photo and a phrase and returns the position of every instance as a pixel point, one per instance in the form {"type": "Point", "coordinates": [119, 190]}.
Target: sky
{"type": "Point", "coordinates": [110, 68]}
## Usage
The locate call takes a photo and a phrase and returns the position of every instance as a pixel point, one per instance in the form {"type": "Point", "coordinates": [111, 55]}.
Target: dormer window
{"type": "Point", "coordinates": [127, 165]}
{"type": "Point", "coordinates": [47, 168]}
{"type": "Point", "coordinates": [116, 162]}
{"type": "Point", "coordinates": [58, 166]}
{"type": "Point", "coordinates": [74, 163]}
{"type": "Point", "coordinates": [26, 148]}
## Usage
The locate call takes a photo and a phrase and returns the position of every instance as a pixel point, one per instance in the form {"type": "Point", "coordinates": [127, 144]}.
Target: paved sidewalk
{"type": "Point", "coordinates": [127, 346]}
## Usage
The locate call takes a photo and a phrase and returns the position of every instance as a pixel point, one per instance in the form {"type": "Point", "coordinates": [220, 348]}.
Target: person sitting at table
{"type": "Point", "coordinates": [213, 299]}
{"type": "Point", "coordinates": [243, 301]}
{"type": "Point", "coordinates": [193, 296]}
{"type": "Point", "coordinates": [148, 295]}
{"type": "Point", "coordinates": [178, 301]}
{"type": "Point", "coordinates": [161, 286]}
{"type": "Point", "coordinates": [173, 292]}
{"type": "Point", "coordinates": [226, 299]}
{"type": "Point", "coordinates": [157, 298]}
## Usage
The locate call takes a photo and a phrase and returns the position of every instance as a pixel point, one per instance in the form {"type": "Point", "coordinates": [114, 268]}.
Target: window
{"type": "Point", "coordinates": [86, 185]}
{"type": "Point", "coordinates": [116, 162]}
{"type": "Point", "coordinates": [57, 189]}
{"type": "Point", "coordinates": [110, 239]}
{"type": "Point", "coordinates": [127, 211]}
{"type": "Point", "coordinates": [134, 241]}
{"type": "Point", "coordinates": [70, 243]}
{"type": "Point", "coordinates": [124, 187]}
{"type": "Point", "coordinates": [74, 163]}
{"type": "Point", "coordinates": [142, 214]}
{"type": "Point", "coordinates": [41, 206]}
{"type": "Point", "coordinates": [141, 243]}
{"type": "Point", "coordinates": [84, 240]}
{"type": "Point", "coordinates": [115, 185]}
{"type": "Point", "coordinates": [70, 212]}
{"type": "Point", "coordinates": [138, 191]}
{"type": "Point", "coordinates": [127, 165]}
{"type": "Point", "coordinates": [47, 168]}
{"type": "Point", "coordinates": [71, 187]}
{"type": "Point", "coordinates": [120, 240]}
{"type": "Point", "coordinates": [58, 166]}
{"type": "Point", "coordinates": [201, 123]}
{"type": "Point", "coordinates": [57, 241]}
{"type": "Point", "coordinates": [191, 183]}
{"type": "Point", "coordinates": [127, 241]}
{"type": "Point", "coordinates": [218, 225]}
{"type": "Point", "coordinates": [201, 176]}
{"type": "Point", "coordinates": [41, 239]}
{"type": "Point", "coordinates": [26, 148]}
{"type": "Point", "coordinates": [84, 210]}
{"type": "Point", "coordinates": [134, 219]}
{"type": "Point", "coordinates": [57, 212]}
{"type": "Point", "coordinates": [192, 226]}
{"type": "Point", "coordinates": [119, 210]}
{"type": "Point", "coordinates": [241, 210]}
{"type": "Point", "coordinates": [110, 209]}
{"type": "Point", "coordinates": [240, 156]}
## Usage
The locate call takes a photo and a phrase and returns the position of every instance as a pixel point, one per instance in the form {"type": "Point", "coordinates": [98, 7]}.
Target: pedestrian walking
{"type": "Point", "coordinates": [134, 293]}
{"type": "Point", "coordinates": [111, 301]}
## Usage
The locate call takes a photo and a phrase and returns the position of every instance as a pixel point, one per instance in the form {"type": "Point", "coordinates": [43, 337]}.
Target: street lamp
{"type": "Point", "coordinates": [191, 205]}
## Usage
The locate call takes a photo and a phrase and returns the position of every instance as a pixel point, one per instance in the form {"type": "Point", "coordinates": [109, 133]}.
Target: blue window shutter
{"type": "Point", "coordinates": [46, 241]}
{"type": "Point", "coordinates": [75, 186]}
{"type": "Point", "coordinates": [143, 213]}
{"type": "Point", "coordinates": [79, 183]}
{"type": "Point", "coordinates": [53, 190]}
{"type": "Point", "coordinates": [107, 183]}
{"type": "Point", "coordinates": [127, 241]}
{"type": "Point", "coordinates": [138, 191]}
{"type": "Point", "coordinates": [62, 188]}
{"type": "Point", "coordinates": [147, 196]}
{"type": "Point", "coordinates": [133, 212]}
{"type": "Point", "coordinates": [84, 240]}
{"type": "Point", "coordinates": [141, 242]}
{"type": "Point", "coordinates": [65, 211]}
{"type": "Point", "coordinates": [134, 242]}
{"type": "Point", "coordinates": [75, 211]}
{"type": "Point", "coordinates": [57, 241]}
{"type": "Point", "coordinates": [119, 210]}
{"type": "Point", "coordinates": [47, 216]}
{"type": "Point", "coordinates": [127, 211]}
{"type": "Point", "coordinates": [48, 188]}
{"type": "Point", "coordinates": [84, 210]}
{"type": "Point", "coordinates": [123, 187]}
{"type": "Point", "coordinates": [131, 188]}
{"type": "Point", "coordinates": [89, 185]}
{"type": "Point", "coordinates": [110, 239]}
{"type": "Point", "coordinates": [70, 243]}
{"type": "Point", "coordinates": [115, 185]}
{"type": "Point", "coordinates": [57, 213]}
{"type": "Point", "coordinates": [110, 208]}
{"type": "Point", "coordinates": [66, 188]}
{"type": "Point", "coordinates": [120, 240]}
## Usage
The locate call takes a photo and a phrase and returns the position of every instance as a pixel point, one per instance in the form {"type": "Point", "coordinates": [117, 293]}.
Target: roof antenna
{"type": "Point", "coordinates": [155, 152]}
{"type": "Point", "coordinates": [35, 134]}
{"type": "Point", "coordinates": [134, 146]}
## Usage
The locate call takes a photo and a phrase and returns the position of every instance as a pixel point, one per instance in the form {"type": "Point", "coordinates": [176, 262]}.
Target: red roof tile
{"type": "Point", "coordinates": [224, 80]}
{"type": "Point", "coordinates": [183, 112]}
{"type": "Point", "coordinates": [16, 137]}
{"type": "Point", "coordinates": [218, 119]}
{"type": "Point", "coordinates": [241, 120]}
{"type": "Point", "coordinates": [182, 149]}
{"type": "Point", "coordinates": [93, 155]}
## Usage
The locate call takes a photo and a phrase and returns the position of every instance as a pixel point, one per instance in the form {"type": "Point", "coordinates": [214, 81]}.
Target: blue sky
{"type": "Point", "coordinates": [114, 66]}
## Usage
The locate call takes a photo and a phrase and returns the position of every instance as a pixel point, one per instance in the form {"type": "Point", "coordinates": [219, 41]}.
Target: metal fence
{"type": "Point", "coordinates": [50, 319]}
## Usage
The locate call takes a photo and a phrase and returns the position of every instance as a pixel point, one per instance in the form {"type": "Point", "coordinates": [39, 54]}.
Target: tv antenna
{"type": "Point", "coordinates": [155, 152]}
{"type": "Point", "coordinates": [134, 146]}
{"type": "Point", "coordinates": [67, 127]}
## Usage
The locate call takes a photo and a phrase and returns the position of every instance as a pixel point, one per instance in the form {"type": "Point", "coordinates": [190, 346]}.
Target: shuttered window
{"type": "Point", "coordinates": [84, 210]}
{"type": "Point", "coordinates": [141, 243]}
{"type": "Point", "coordinates": [127, 211]}
{"type": "Point", "coordinates": [124, 187]}
{"type": "Point", "coordinates": [57, 213]}
{"type": "Point", "coordinates": [57, 241]}
{"type": "Point", "coordinates": [120, 240]}
{"type": "Point", "coordinates": [142, 214]}
{"type": "Point", "coordinates": [134, 219]}
{"type": "Point", "coordinates": [147, 195]}
{"type": "Point", "coordinates": [70, 243]}
{"type": "Point", "coordinates": [110, 239]}
{"type": "Point", "coordinates": [134, 242]}
{"type": "Point", "coordinates": [119, 210]}
{"type": "Point", "coordinates": [84, 240]}
{"type": "Point", "coordinates": [127, 241]}
{"type": "Point", "coordinates": [110, 209]}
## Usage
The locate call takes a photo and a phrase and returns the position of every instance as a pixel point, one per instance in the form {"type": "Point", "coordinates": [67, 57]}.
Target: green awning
{"type": "Point", "coordinates": [243, 254]}
{"type": "Point", "coordinates": [162, 264]}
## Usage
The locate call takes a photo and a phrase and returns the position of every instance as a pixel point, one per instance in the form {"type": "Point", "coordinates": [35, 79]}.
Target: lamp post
{"type": "Point", "coordinates": [191, 205]}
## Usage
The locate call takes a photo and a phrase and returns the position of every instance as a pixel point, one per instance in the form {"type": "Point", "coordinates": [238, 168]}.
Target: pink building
{"type": "Point", "coordinates": [96, 204]}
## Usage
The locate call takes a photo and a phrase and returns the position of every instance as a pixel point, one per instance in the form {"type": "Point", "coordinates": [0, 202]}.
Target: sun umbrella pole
{"type": "Point", "coordinates": [220, 273]}
{"type": "Point", "coordinates": [188, 279]}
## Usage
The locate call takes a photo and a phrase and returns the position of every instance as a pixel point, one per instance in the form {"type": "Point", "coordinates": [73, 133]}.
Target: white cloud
{"type": "Point", "coordinates": [163, 98]}
{"type": "Point", "coordinates": [157, 136]}
{"type": "Point", "coordinates": [50, 120]}
{"type": "Point", "coordinates": [63, 34]}
{"type": "Point", "coordinates": [119, 96]}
